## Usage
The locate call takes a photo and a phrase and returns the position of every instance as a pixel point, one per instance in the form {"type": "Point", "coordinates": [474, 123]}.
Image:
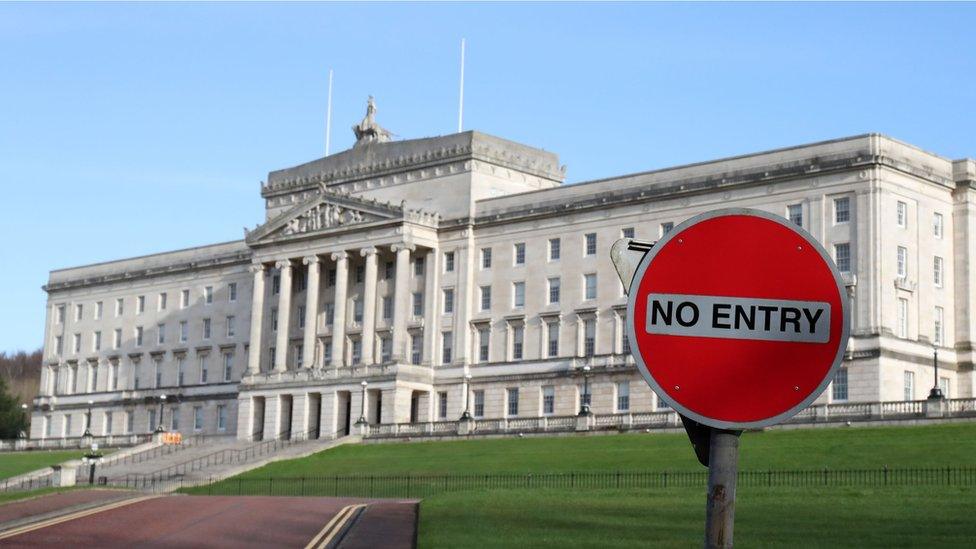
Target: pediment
{"type": "Point", "coordinates": [323, 213]}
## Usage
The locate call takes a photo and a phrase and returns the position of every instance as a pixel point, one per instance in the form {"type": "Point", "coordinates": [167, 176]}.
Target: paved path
{"type": "Point", "coordinates": [226, 521]}
{"type": "Point", "coordinates": [63, 502]}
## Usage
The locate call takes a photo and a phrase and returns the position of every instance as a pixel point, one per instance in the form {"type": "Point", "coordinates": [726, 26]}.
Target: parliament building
{"type": "Point", "coordinates": [414, 280]}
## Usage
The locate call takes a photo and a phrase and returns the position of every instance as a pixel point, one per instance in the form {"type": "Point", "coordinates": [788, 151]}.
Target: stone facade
{"type": "Point", "coordinates": [411, 265]}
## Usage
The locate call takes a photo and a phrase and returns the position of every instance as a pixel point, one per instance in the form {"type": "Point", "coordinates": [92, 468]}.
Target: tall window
{"type": "Point", "coordinates": [623, 396]}
{"type": "Point", "coordinates": [448, 301]}
{"type": "Point", "coordinates": [666, 227]}
{"type": "Point", "coordinates": [60, 314]}
{"type": "Point", "coordinates": [184, 331]}
{"type": "Point", "coordinates": [360, 274]}
{"type": "Point", "coordinates": [937, 225]}
{"type": "Point", "coordinates": [513, 401]}
{"type": "Point", "coordinates": [938, 317]}
{"type": "Point", "coordinates": [119, 306]}
{"type": "Point", "coordinates": [554, 249]}
{"type": "Point", "coordinates": [416, 348]}
{"type": "Point", "coordinates": [330, 277]}
{"type": "Point", "coordinates": [518, 340]}
{"type": "Point", "coordinates": [152, 420]}
{"type": "Point", "coordinates": [448, 262]}
{"type": "Point", "coordinates": [138, 336]}
{"type": "Point", "coordinates": [184, 299]}
{"type": "Point", "coordinates": [627, 232]}
{"type": "Point", "coordinates": [839, 386]}
{"type": "Point", "coordinates": [589, 286]}
{"type": "Point", "coordinates": [231, 329]}
{"type": "Point", "coordinates": [97, 341]}
{"type": "Point", "coordinates": [418, 304]}
{"type": "Point", "coordinates": [140, 304]}
{"type": "Point", "coordinates": [206, 328]}
{"type": "Point", "coordinates": [518, 295]}
{"type": "Point", "coordinates": [108, 423]}
{"type": "Point", "coordinates": [842, 210]}
{"type": "Point", "coordinates": [274, 320]}
{"type": "Point", "coordinates": [76, 343]}
{"type": "Point", "coordinates": [198, 418]}
{"type": "Point", "coordinates": [229, 366]}
{"type": "Point", "coordinates": [98, 310]}
{"type": "Point", "coordinates": [232, 291]}
{"type": "Point", "coordinates": [442, 405]}
{"type": "Point", "coordinates": [479, 403]}
{"type": "Point", "coordinates": [418, 266]}
{"type": "Point", "coordinates": [590, 246]}
{"type": "Point", "coordinates": [447, 347]}
{"type": "Point", "coordinates": [79, 312]}
{"type": "Point", "coordinates": [113, 372]}
{"type": "Point", "coordinates": [204, 368]}
{"type": "Point", "coordinates": [624, 340]}
{"type": "Point", "coordinates": [357, 350]}
{"type": "Point", "coordinates": [937, 274]}
{"type": "Point", "coordinates": [909, 386]}
{"type": "Point", "coordinates": [548, 400]}
{"type": "Point", "coordinates": [554, 290]}
{"type": "Point", "coordinates": [158, 372]}
{"type": "Point", "coordinates": [329, 313]}
{"type": "Point", "coordinates": [93, 377]}
{"type": "Point", "coordinates": [221, 417]}
{"type": "Point", "coordinates": [552, 339]}
{"type": "Point", "coordinates": [276, 284]}
{"type": "Point", "coordinates": [387, 307]}
{"type": "Point", "coordinates": [589, 337]}
{"type": "Point", "coordinates": [902, 317]}
{"type": "Point", "coordinates": [484, 337]}
{"type": "Point", "coordinates": [902, 262]}
{"type": "Point", "coordinates": [486, 258]}
{"type": "Point", "coordinates": [386, 348]}
{"type": "Point", "coordinates": [59, 344]}
{"type": "Point", "coordinates": [485, 298]}
{"type": "Point", "coordinates": [301, 317]}
{"type": "Point", "coordinates": [130, 421]}
{"type": "Point", "coordinates": [357, 309]}
{"type": "Point", "coordinates": [902, 214]}
{"type": "Point", "coordinates": [842, 257]}
{"type": "Point", "coordinates": [208, 294]}
{"type": "Point", "coordinates": [520, 253]}
{"type": "Point", "coordinates": [161, 302]}
{"type": "Point", "coordinates": [180, 370]}
{"type": "Point", "coordinates": [388, 269]}
{"type": "Point", "coordinates": [794, 212]}
{"type": "Point", "coordinates": [161, 334]}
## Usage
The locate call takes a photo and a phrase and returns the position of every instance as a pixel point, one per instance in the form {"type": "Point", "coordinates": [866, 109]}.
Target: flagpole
{"type": "Point", "coordinates": [461, 95]}
{"type": "Point", "coordinates": [328, 117]}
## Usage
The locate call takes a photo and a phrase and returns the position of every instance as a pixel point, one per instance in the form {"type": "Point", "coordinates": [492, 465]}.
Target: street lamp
{"type": "Point", "coordinates": [88, 432]}
{"type": "Point", "coordinates": [90, 459]}
{"type": "Point", "coordinates": [936, 392]}
{"type": "Point", "coordinates": [159, 424]}
{"type": "Point", "coordinates": [26, 417]}
{"type": "Point", "coordinates": [585, 400]}
{"type": "Point", "coordinates": [362, 405]}
{"type": "Point", "coordinates": [467, 398]}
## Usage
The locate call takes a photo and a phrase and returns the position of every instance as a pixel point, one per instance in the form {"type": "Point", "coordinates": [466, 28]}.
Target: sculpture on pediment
{"type": "Point", "coordinates": [368, 131]}
{"type": "Point", "coordinates": [322, 216]}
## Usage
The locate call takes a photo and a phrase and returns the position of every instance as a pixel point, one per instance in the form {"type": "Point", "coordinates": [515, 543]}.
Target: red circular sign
{"type": "Point", "coordinates": [738, 318]}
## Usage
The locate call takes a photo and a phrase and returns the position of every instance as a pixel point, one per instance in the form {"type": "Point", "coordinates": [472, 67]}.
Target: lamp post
{"type": "Point", "coordinates": [88, 432]}
{"type": "Point", "coordinates": [159, 424]}
{"type": "Point", "coordinates": [467, 398]}
{"type": "Point", "coordinates": [585, 400]}
{"type": "Point", "coordinates": [362, 405]}
{"type": "Point", "coordinates": [26, 418]}
{"type": "Point", "coordinates": [90, 459]}
{"type": "Point", "coordinates": [936, 392]}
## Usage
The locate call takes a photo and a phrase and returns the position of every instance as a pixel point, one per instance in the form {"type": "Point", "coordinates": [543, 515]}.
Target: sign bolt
{"type": "Point", "coordinates": [796, 387]}
{"type": "Point", "coordinates": [677, 387]}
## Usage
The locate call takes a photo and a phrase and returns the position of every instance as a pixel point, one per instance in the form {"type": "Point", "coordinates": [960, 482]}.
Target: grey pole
{"type": "Point", "coordinates": [723, 467]}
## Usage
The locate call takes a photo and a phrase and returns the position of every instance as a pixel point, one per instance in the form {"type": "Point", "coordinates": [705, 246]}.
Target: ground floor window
{"type": "Point", "coordinates": [548, 400]}
{"type": "Point", "coordinates": [222, 417]}
{"type": "Point", "coordinates": [197, 418]}
{"type": "Point", "coordinates": [623, 396]}
{"type": "Point", "coordinates": [839, 387]}
{"type": "Point", "coordinates": [513, 401]}
{"type": "Point", "coordinates": [442, 405]}
{"type": "Point", "coordinates": [479, 404]}
{"type": "Point", "coordinates": [909, 386]}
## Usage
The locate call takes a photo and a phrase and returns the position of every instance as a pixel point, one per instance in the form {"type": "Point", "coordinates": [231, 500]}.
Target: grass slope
{"type": "Point", "coordinates": [17, 463]}
{"type": "Point", "coordinates": [925, 446]}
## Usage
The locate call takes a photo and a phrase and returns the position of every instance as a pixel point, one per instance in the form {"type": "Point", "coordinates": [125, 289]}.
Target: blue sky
{"type": "Point", "coordinates": [130, 129]}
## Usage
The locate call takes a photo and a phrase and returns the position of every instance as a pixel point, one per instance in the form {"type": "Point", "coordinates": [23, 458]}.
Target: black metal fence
{"type": "Point", "coordinates": [419, 486]}
{"type": "Point", "coordinates": [30, 483]}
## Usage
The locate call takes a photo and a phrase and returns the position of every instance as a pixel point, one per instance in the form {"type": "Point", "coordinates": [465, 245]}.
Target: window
{"type": "Point", "coordinates": [107, 429]}
{"type": "Point", "coordinates": [79, 311]}
{"type": "Point", "coordinates": [513, 401]}
{"type": "Point", "coordinates": [97, 341]}
{"type": "Point", "coordinates": [206, 328]}
{"type": "Point", "coordinates": [327, 351]}
{"type": "Point", "coordinates": [842, 257]}
{"type": "Point", "coordinates": [140, 304]}
{"type": "Point", "coordinates": [937, 225]}
{"type": "Point", "coordinates": [152, 419]}
{"type": "Point", "coordinates": [301, 283]}
{"type": "Point", "coordinates": [548, 400]}
{"type": "Point", "coordinates": [184, 331]}
{"type": "Point", "coordinates": [357, 309]}
{"type": "Point", "coordinates": [329, 314]}
{"type": "Point", "coordinates": [47, 426]}
{"type": "Point", "coordinates": [589, 283]}
{"type": "Point", "coordinates": [944, 385]}
{"type": "Point", "coordinates": [842, 210]}
{"type": "Point", "coordinates": [447, 347]}
{"type": "Point", "coordinates": [902, 317]}
{"type": "Point", "coordinates": [180, 369]}
{"type": "Point", "coordinates": [666, 227]}
{"type": "Point", "coordinates": [276, 284]}
{"type": "Point", "coordinates": [448, 262]}
{"type": "Point", "coordinates": [229, 366]}
{"type": "Point", "coordinates": [387, 307]}
{"type": "Point", "coordinates": [301, 317]}
{"type": "Point", "coordinates": [386, 348]}
{"type": "Point", "coordinates": [161, 302]}
{"type": "Point", "coordinates": [330, 278]}
{"type": "Point", "coordinates": [938, 272]}
{"type": "Point", "coordinates": [585, 395]}
{"type": "Point", "coordinates": [299, 353]}
{"type": "Point", "coordinates": [442, 405]}
{"type": "Point", "coordinates": [938, 318]}
{"type": "Point", "coordinates": [135, 376]}
{"type": "Point", "coordinates": [485, 298]}
{"type": "Point", "coordinates": [416, 348]}
{"type": "Point", "coordinates": [839, 386]}
{"type": "Point", "coordinates": [174, 418]}
{"type": "Point", "coordinates": [271, 357]}
{"type": "Point", "coordinates": [554, 288]}
{"type": "Point", "coordinates": [418, 266]}
{"type": "Point", "coordinates": [98, 310]}
{"type": "Point", "coordinates": [484, 337]}
{"type": "Point", "coordinates": [388, 270]}
{"type": "Point", "coordinates": [119, 306]}
{"type": "Point", "coordinates": [59, 344]}
{"type": "Point", "coordinates": [357, 350]}
{"type": "Point", "coordinates": [902, 214]}
{"type": "Point", "coordinates": [232, 291]}
{"type": "Point", "coordinates": [486, 258]}
{"type": "Point", "coordinates": [93, 377]}
{"type": "Point", "coordinates": [448, 301]}
{"type": "Point", "coordinates": [198, 418]}
{"type": "Point", "coordinates": [590, 244]}
{"type": "Point", "coordinates": [902, 262]}
{"type": "Point", "coordinates": [552, 333]}
{"type": "Point", "coordinates": [221, 417]}
{"type": "Point", "coordinates": [204, 368]}
{"type": "Point", "coordinates": [157, 372]}
{"type": "Point", "coordinates": [518, 342]}
{"type": "Point", "coordinates": [554, 249]}
{"type": "Point", "coordinates": [418, 304]}
{"type": "Point", "coordinates": [360, 274]}
{"type": "Point", "coordinates": [518, 295]}
{"type": "Point", "coordinates": [274, 320]}
{"type": "Point", "coordinates": [623, 396]}
{"type": "Point", "coordinates": [184, 299]}
{"type": "Point", "coordinates": [909, 386]}
{"type": "Point", "coordinates": [160, 334]}
{"type": "Point", "coordinates": [76, 343]}
{"type": "Point", "coordinates": [627, 232]}
{"type": "Point", "coordinates": [113, 373]}
{"type": "Point", "coordinates": [231, 329]}
{"type": "Point", "coordinates": [794, 212]}
{"type": "Point", "coordinates": [60, 314]}
{"type": "Point", "coordinates": [479, 404]}
{"type": "Point", "coordinates": [589, 337]}
{"type": "Point", "coordinates": [520, 253]}
{"type": "Point", "coordinates": [130, 421]}
{"type": "Point", "coordinates": [138, 336]}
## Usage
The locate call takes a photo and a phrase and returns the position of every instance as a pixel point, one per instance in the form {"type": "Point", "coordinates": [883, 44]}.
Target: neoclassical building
{"type": "Point", "coordinates": [407, 281]}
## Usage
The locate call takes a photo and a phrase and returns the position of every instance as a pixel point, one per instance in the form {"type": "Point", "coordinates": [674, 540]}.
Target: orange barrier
{"type": "Point", "coordinates": [172, 438]}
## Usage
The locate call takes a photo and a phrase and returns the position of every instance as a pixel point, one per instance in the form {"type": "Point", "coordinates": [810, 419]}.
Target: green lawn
{"type": "Point", "coordinates": [17, 463]}
{"type": "Point", "coordinates": [778, 517]}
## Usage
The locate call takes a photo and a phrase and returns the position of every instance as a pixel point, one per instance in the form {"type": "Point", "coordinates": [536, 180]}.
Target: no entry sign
{"type": "Point", "coordinates": [738, 318]}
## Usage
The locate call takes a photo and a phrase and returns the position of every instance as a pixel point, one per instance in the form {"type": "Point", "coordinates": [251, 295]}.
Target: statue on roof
{"type": "Point", "coordinates": [368, 131]}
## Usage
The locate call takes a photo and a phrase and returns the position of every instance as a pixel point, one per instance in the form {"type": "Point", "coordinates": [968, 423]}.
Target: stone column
{"type": "Point", "coordinates": [311, 311]}
{"type": "Point", "coordinates": [369, 305]}
{"type": "Point", "coordinates": [401, 301]}
{"type": "Point", "coordinates": [257, 313]}
{"type": "Point", "coordinates": [339, 315]}
{"type": "Point", "coordinates": [431, 304]}
{"type": "Point", "coordinates": [284, 314]}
